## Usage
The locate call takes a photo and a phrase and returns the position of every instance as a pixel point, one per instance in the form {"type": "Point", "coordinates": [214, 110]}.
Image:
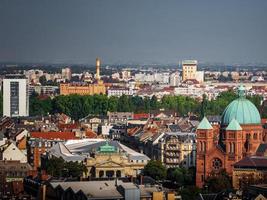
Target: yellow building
{"type": "Point", "coordinates": [90, 89]}
{"type": "Point", "coordinates": [189, 69]}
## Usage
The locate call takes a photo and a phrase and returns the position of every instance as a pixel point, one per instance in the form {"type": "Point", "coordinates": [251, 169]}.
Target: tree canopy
{"type": "Point", "coordinates": [57, 167]}
{"type": "Point", "coordinates": [79, 106]}
{"type": "Point", "coordinates": [156, 170]}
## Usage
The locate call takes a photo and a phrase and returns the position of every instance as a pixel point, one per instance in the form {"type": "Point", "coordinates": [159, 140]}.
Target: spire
{"type": "Point", "coordinates": [234, 126]}
{"type": "Point", "coordinates": [241, 91]}
{"type": "Point", "coordinates": [204, 124]}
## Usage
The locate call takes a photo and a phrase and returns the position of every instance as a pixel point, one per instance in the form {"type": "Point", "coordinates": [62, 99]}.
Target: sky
{"type": "Point", "coordinates": [133, 31]}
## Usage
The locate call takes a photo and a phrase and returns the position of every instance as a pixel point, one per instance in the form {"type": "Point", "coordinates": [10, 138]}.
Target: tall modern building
{"type": "Point", "coordinates": [189, 69]}
{"type": "Point", "coordinates": [15, 96]}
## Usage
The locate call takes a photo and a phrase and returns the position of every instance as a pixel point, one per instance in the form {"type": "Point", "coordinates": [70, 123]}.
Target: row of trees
{"type": "Point", "coordinates": [78, 106]}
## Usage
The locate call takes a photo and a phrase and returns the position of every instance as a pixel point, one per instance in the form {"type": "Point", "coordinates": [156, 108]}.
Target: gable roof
{"type": "Point", "coordinates": [233, 126]}
{"type": "Point", "coordinates": [204, 124]}
{"type": "Point", "coordinates": [54, 135]}
{"type": "Point", "coordinates": [252, 162]}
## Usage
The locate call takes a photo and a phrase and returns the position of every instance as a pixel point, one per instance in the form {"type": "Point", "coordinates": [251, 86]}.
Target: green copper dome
{"type": "Point", "coordinates": [242, 110]}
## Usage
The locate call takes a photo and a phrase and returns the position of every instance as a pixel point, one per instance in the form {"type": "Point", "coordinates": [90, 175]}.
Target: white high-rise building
{"type": "Point", "coordinates": [175, 79]}
{"type": "Point", "coordinates": [15, 96]}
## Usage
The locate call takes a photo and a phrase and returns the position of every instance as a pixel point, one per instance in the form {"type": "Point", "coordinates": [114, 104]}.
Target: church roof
{"type": "Point", "coordinates": [107, 148]}
{"type": "Point", "coordinates": [204, 124]}
{"type": "Point", "coordinates": [234, 126]}
{"type": "Point", "coordinates": [243, 110]}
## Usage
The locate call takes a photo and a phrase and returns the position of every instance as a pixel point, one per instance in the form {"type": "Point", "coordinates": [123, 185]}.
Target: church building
{"type": "Point", "coordinates": [238, 135]}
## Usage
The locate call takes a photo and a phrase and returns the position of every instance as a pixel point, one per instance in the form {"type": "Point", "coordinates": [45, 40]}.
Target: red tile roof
{"type": "Point", "coordinates": [54, 135]}
{"type": "Point", "coordinates": [141, 116]}
{"type": "Point", "coordinates": [90, 134]}
{"type": "Point", "coordinates": [68, 126]}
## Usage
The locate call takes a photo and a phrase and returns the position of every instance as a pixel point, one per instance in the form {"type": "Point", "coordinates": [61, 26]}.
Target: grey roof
{"type": "Point", "coordinates": [60, 150]}
{"type": "Point", "coordinates": [103, 189]}
{"type": "Point", "coordinates": [81, 149]}
{"type": "Point", "coordinates": [214, 118]}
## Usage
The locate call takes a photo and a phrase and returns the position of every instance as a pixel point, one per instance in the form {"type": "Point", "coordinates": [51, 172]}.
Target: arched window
{"type": "Point", "coordinates": [204, 146]}
{"type": "Point", "coordinates": [255, 136]}
{"type": "Point", "coordinates": [233, 147]}
{"type": "Point", "coordinates": [230, 147]}
{"type": "Point", "coordinates": [200, 147]}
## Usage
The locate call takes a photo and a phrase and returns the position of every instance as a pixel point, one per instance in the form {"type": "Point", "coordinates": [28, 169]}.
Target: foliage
{"type": "Point", "coordinates": [79, 106]}
{"type": "Point", "coordinates": [218, 181]}
{"type": "Point", "coordinates": [156, 170]}
{"type": "Point", "coordinates": [180, 176]}
{"type": "Point", "coordinates": [57, 167]}
{"type": "Point", "coordinates": [189, 192]}
{"type": "Point", "coordinates": [39, 107]}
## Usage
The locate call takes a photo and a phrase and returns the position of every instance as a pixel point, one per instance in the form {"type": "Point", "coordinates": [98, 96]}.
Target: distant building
{"type": "Point", "coordinates": [89, 89]}
{"type": "Point", "coordinates": [120, 91]}
{"type": "Point", "coordinates": [66, 73]}
{"type": "Point", "coordinates": [189, 69]}
{"type": "Point", "coordinates": [200, 76]}
{"type": "Point", "coordinates": [119, 117]}
{"type": "Point", "coordinates": [175, 79]}
{"type": "Point", "coordinates": [15, 96]}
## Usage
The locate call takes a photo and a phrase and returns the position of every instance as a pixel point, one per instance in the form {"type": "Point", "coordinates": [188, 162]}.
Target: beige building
{"type": "Point", "coordinates": [189, 69]}
{"type": "Point", "coordinates": [102, 158]}
{"type": "Point", "coordinates": [110, 162]}
{"type": "Point", "coordinates": [175, 149]}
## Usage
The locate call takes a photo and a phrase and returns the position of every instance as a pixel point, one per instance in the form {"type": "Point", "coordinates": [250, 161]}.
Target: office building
{"type": "Point", "coordinates": [15, 96]}
{"type": "Point", "coordinates": [189, 69]}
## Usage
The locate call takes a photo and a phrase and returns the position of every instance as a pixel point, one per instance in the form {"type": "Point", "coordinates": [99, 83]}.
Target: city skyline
{"type": "Point", "coordinates": [142, 32]}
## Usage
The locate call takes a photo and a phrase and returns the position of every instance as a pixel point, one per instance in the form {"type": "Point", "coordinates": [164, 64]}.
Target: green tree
{"type": "Point", "coordinates": [57, 167]}
{"type": "Point", "coordinates": [43, 80]}
{"type": "Point", "coordinates": [218, 181]}
{"type": "Point", "coordinates": [181, 176]}
{"type": "Point", "coordinates": [156, 170]}
{"type": "Point", "coordinates": [189, 192]}
{"type": "Point", "coordinates": [154, 103]}
{"type": "Point", "coordinates": [40, 106]}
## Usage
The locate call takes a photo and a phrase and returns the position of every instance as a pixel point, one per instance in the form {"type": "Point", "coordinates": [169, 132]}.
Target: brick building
{"type": "Point", "coordinates": [221, 145]}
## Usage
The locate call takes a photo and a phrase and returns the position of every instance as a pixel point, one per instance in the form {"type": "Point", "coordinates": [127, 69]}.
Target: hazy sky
{"type": "Point", "coordinates": [158, 31]}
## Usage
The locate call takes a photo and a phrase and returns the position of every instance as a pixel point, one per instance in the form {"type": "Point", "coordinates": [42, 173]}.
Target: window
{"type": "Point", "coordinates": [216, 163]}
{"type": "Point", "coordinates": [255, 136]}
